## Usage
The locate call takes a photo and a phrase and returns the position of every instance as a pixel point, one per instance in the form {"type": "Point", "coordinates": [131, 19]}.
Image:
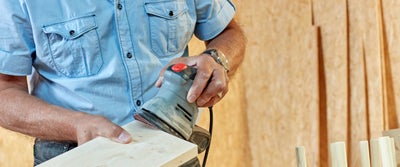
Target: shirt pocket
{"type": "Point", "coordinates": [74, 46]}
{"type": "Point", "coordinates": [170, 26]}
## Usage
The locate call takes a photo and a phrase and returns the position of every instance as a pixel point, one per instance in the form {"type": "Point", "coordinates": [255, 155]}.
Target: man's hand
{"type": "Point", "coordinates": [89, 127]}
{"type": "Point", "coordinates": [210, 83]}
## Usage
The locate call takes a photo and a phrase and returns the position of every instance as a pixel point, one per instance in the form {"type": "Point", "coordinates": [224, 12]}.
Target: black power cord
{"type": "Point", "coordinates": [210, 127]}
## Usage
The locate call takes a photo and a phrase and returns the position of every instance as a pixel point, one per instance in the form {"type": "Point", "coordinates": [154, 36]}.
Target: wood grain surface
{"type": "Point", "coordinates": [150, 147]}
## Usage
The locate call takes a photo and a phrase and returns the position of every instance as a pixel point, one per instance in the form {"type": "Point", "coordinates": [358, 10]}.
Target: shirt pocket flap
{"type": "Point", "coordinates": [165, 9]}
{"type": "Point", "coordinates": [72, 29]}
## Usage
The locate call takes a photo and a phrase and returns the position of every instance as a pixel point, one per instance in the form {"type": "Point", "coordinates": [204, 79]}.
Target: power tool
{"type": "Point", "coordinates": [171, 112]}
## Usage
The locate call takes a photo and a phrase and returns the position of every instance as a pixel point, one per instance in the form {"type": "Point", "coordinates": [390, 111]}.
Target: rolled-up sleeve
{"type": "Point", "coordinates": [16, 41]}
{"type": "Point", "coordinates": [213, 17]}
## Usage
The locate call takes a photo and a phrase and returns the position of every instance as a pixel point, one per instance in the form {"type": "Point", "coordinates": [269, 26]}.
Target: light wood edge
{"type": "Point", "coordinates": [364, 153]}
{"type": "Point", "coordinates": [338, 154]}
{"type": "Point", "coordinates": [301, 156]}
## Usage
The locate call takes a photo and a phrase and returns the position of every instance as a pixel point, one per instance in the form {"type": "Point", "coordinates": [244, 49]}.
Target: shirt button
{"type": "Point", "coordinates": [119, 6]}
{"type": "Point", "coordinates": [171, 13]}
{"type": "Point", "coordinates": [129, 55]}
{"type": "Point", "coordinates": [72, 32]}
{"type": "Point", "coordinates": [138, 102]}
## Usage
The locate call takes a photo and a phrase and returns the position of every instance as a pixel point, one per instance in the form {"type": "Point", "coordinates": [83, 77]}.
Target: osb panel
{"type": "Point", "coordinates": [391, 40]}
{"type": "Point", "coordinates": [229, 145]}
{"type": "Point", "coordinates": [369, 33]}
{"type": "Point", "coordinates": [362, 25]}
{"type": "Point", "coordinates": [280, 74]}
{"type": "Point", "coordinates": [15, 149]}
{"type": "Point", "coordinates": [331, 17]}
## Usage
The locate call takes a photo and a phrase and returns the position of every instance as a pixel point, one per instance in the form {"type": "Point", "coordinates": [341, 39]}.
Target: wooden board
{"type": "Point", "coordinates": [334, 47]}
{"type": "Point", "coordinates": [334, 54]}
{"type": "Point", "coordinates": [364, 154]}
{"type": "Point", "coordinates": [365, 76]}
{"type": "Point", "coordinates": [375, 153]}
{"type": "Point", "coordinates": [301, 156]}
{"type": "Point", "coordinates": [391, 60]}
{"type": "Point", "coordinates": [150, 147]}
{"type": "Point", "coordinates": [395, 134]}
{"type": "Point", "coordinates": [369, 32]}
{"type": "Point", "coordinates": [338, 154]}
{"type": "Point", "coordinates": [386, 146]}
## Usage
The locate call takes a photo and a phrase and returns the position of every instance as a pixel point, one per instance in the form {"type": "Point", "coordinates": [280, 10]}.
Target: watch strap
{"type": "Point", "coordinates": [218, 57]}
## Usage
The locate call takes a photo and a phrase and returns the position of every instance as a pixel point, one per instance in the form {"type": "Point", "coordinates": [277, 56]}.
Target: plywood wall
{"type": "Point", "coordinates": [15, 149]}
{"type": "Point", "coordinates": [281, 80]}
{"type": "Point", "coordinates": [357, 66]}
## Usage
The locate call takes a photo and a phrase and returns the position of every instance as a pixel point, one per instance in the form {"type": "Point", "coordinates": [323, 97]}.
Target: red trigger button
{"type": "Point", "coordinates": [179, 67]}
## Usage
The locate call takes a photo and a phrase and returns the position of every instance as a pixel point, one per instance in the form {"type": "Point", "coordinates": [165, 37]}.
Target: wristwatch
{"type": "Point", "coordinates": [219, 57]}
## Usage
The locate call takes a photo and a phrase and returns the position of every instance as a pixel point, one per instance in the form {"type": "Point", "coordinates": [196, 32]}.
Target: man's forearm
{"type": "Point", "coordinates": [232, 43]}
{"type": "Point", "coordinates": [26, 114]}
{"type": "Point", "coordinates": [30, 115]}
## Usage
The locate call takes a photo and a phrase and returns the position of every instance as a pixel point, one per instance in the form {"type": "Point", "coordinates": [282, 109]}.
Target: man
{"type": "Point", "coordinates": [96, 62]}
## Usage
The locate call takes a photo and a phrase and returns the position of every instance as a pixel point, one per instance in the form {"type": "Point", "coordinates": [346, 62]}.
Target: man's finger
{"type": "Point", "coordinates": [199, 84]}
{"type": "Point", "coordinates": [159, 80]}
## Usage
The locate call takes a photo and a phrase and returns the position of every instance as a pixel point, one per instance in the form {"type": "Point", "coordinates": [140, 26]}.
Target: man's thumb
{"type": "Point", "coordinates": [124, 137]}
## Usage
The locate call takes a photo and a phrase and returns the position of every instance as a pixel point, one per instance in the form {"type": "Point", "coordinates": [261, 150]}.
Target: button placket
{"type": "Point", "coordinates": [128, 51]}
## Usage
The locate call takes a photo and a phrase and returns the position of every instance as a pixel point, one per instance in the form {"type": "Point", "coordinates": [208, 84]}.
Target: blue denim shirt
{"type": "Point", "coordinates": [101, 56]}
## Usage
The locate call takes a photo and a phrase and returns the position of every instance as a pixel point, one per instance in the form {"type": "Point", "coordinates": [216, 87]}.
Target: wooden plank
{"type": "Point", "coordinates": [388, 160]}
{"type": "Point", "coordinates": [358, 106]}
{"type": "Point", "coordinates": [301, 156]}
{"type": "Point", "coordinates": [364, 152]}
{"type": "Point", "coordinates": [395, 134]}
{"type": "Point", "coordinates": [364, 70]}
{"type": "Point", "coordinates": [392, 151]}
{"type": "Point", "coordinates": [338, 154]}
{"type": "Point", "coordinates": [397, 149]}
{"type": "Point", "coordinates": [389, 113]}
{"type": "Point", "coordinates": [281, 81]}
{"type": "Point", "coordinates": [150, 147]}
{"type": "Point", "coordinates": [391, 60]}
{"type": "Point", "coordinates": [334, 53]}
{"type": "Point", "coordinates": [375, 153]}
{"type": "Point", "coordinates": [371, 46]}
{"type": "Point", "coordinates": [335, 58]}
